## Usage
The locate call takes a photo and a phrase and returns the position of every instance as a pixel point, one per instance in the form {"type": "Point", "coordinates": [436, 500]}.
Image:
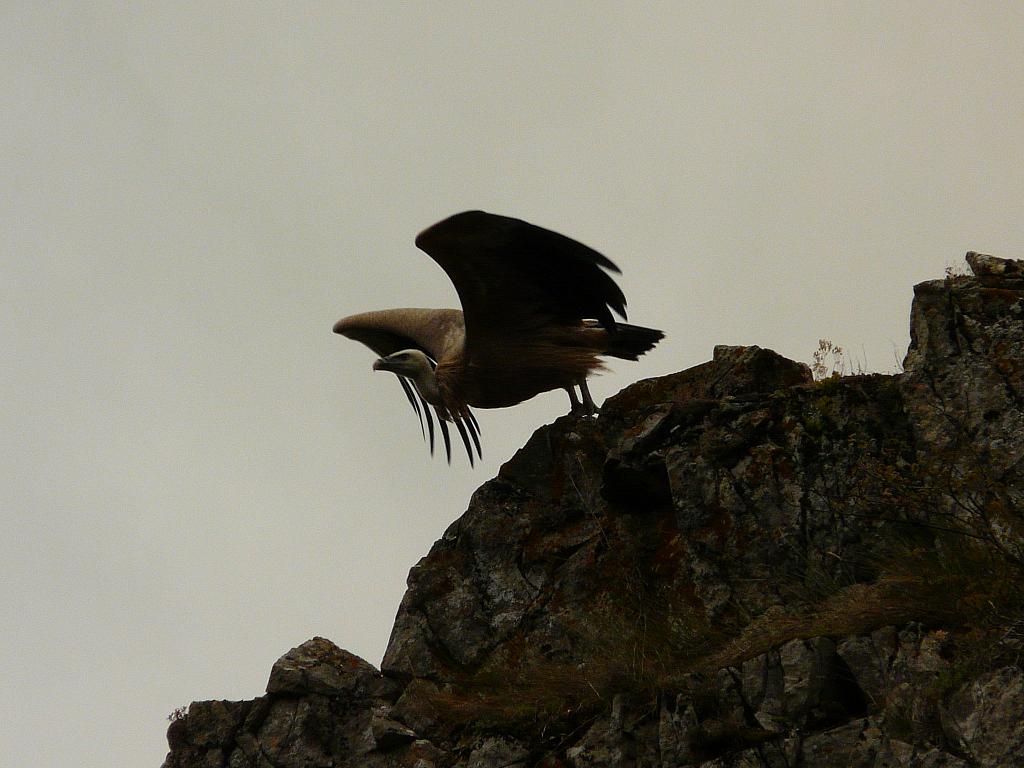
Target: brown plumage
{"type": "Point", "coordinates": [536, 315]}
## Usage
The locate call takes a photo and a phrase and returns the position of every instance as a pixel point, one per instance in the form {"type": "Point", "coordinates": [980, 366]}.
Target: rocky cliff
{"type": "Point", "coordinates": [732, 566]}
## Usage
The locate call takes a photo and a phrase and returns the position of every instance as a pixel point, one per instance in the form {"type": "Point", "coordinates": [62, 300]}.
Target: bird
{"type": "Point", "coordinates": [536, 316]}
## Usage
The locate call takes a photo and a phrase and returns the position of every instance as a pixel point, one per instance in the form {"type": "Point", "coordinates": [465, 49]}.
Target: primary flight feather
{"type": "Point", "coordinates": [536, 315]}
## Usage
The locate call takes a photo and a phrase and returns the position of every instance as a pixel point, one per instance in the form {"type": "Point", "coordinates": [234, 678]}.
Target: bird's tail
{"type": "Point", "coordinates": [628, 342]}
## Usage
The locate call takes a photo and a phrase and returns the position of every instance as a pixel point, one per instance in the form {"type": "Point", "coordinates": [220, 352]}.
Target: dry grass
{"type": "Point", "coordinates": [960, 585]}
{"type": "Point", "coordinates": [964, 587]}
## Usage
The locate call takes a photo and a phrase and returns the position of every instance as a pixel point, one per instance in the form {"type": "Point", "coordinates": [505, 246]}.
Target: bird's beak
{"type": "Point", "coordinates": [380, 364]}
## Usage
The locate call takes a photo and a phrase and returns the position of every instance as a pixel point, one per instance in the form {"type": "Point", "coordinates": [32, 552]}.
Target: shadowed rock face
{"type": "Point", "coordinates": [732, 566]}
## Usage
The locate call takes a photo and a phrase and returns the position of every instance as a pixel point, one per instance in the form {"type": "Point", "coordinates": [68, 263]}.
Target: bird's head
{"type": "Point", "coordinates": [407, 362]}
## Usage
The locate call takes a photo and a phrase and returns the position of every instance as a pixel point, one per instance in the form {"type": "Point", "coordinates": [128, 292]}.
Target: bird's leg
{"type": "Point", "coordinates": [590, 408]}
{"type": "Point", "coordinates": [577, 406]}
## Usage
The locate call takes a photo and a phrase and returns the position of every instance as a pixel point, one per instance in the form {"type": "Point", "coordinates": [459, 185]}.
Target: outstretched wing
{"type": "Point", "coordinates": [438, 333]}
{"type": "Point", "coordinates": [435, 332]}
{"type": "Point", "coordinates": [515, 278]}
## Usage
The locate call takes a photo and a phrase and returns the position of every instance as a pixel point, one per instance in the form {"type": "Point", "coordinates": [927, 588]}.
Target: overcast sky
{"type": "Point", "coordinates": [196, 475]}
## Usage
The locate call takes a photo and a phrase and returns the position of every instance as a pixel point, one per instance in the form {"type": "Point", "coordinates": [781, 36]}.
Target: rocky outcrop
{"type": "Point", "coordinates": [732, 566]}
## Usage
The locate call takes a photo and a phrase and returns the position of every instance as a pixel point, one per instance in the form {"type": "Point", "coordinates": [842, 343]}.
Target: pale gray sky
{"type": "Point", "coordinates": [196, 475]}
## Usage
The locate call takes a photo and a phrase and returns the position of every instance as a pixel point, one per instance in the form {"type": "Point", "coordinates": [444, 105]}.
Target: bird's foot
{"type": "Point", "coordinates": [586, 407]}
{"type": "Point", "coordinates": [581, 409]}
{"type": "Point", "coordinates": [588, 402]}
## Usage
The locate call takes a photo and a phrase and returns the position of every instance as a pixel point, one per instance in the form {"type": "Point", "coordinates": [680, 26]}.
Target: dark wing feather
{"type": "Point", "coordinates": [460, 425]}
{"type": "Point", "coordinates": [474, 430]}
{"type": "Point", "coordinates": [514, 278]}
{"type": "Point", "coordinates": [408, 387]}
{"type": "Point", "coordinates": [430, 423]}
{"type": "Point", "coordinates": [444, 433]}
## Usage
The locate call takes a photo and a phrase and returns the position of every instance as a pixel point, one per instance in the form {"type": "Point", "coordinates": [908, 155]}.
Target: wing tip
{"type": "Point", "coordinates": [435, 233]}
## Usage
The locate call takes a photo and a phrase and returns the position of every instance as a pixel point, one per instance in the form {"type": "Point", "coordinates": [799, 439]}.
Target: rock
{"type": "Point", "coordinates": [995, 272]}
{"type": "Point", "coordinates": [739, 371]}
{"type": "Point", "coordinates": [678, 728]}
{"type": "Point", "coordinates": [807, 666]}
{"type": "Point", "coordinates": [605, 743]}
{"type": "Point", "coordinates": [319, 666]}
{"type": "Point", "coordinates": [499, 751]}
{"type": "Point", "coordinates": [964, 371]}
{"type": "Point", "coordinates": [387, 733]}
{"type": "Point", "coordinates": [984, 718]}
{"type": "Point", "coordinates": [732, 566]}
{"type": "Point", "coordinates": [208, 731]}
{"type": "Point", "coordinates": [867, 659]}
{"type": "Point", "coordinates": [858, 744]}
{"type": "Point", "coordinates": [936, 758]}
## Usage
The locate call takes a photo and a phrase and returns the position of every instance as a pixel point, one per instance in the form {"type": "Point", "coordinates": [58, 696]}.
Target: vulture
{"type": "Point", "coordinates": [536, 315]}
